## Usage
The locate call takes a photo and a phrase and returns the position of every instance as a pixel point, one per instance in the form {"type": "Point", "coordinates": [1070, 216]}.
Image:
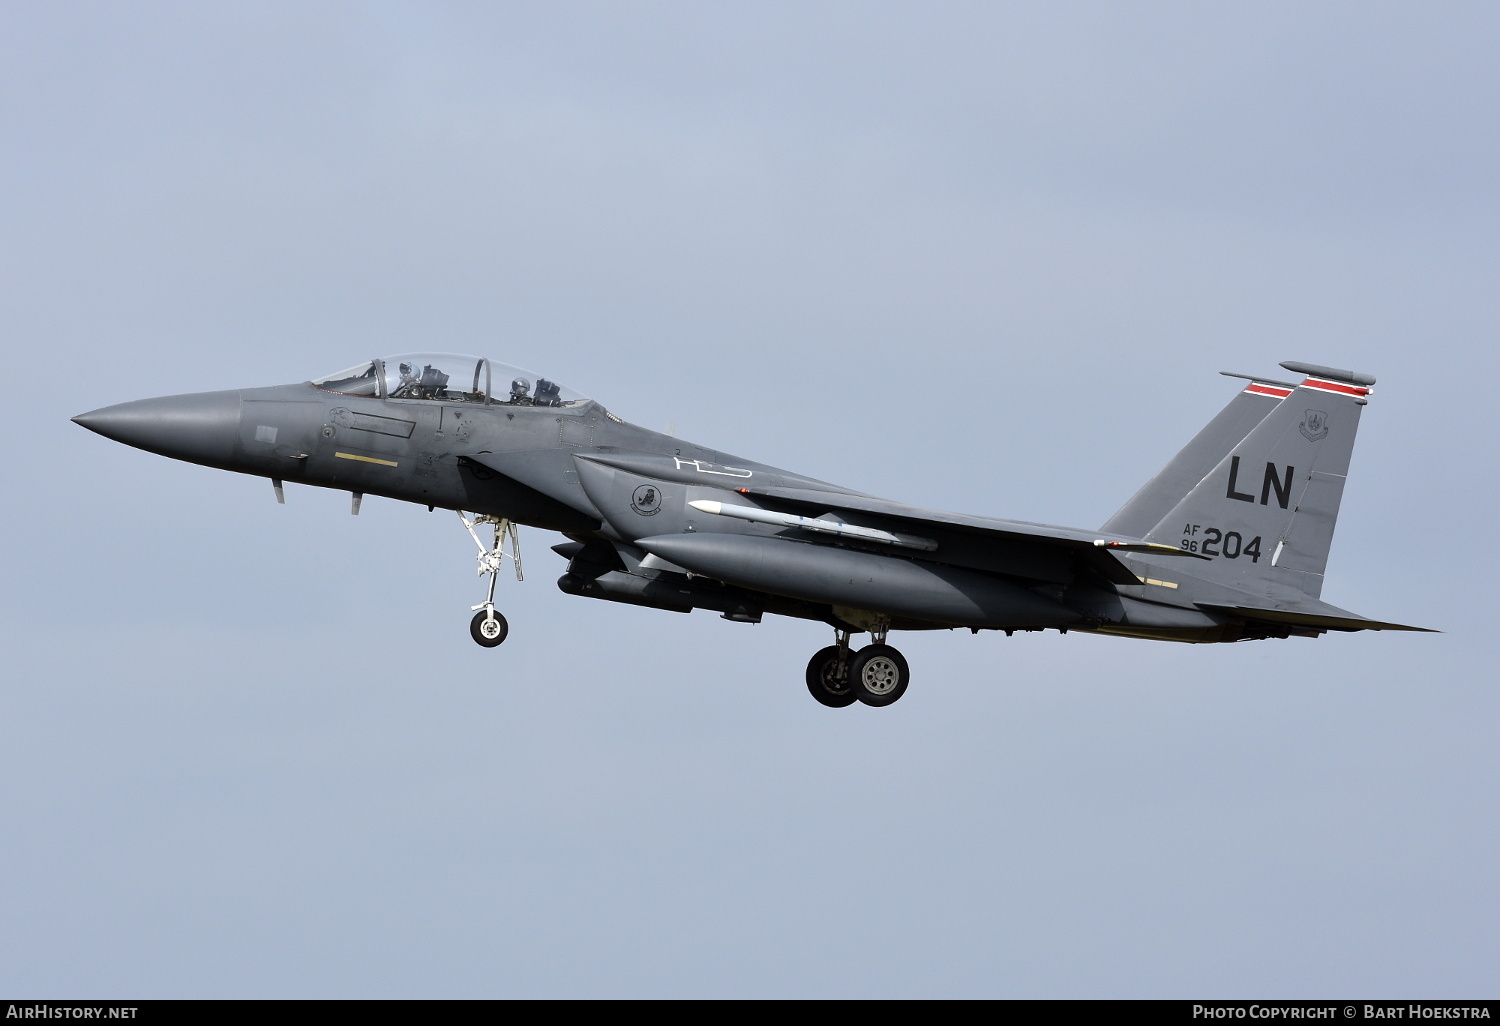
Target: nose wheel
{"type": "Point", "coordinates": [488, 627]}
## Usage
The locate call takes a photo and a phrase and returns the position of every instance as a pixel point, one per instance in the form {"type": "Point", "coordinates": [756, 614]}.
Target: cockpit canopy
{"type": "Point", "coordinates": [451, 378]}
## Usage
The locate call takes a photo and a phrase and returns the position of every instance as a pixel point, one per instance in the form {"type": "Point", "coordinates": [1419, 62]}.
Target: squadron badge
{"type": "Point", "coordinates": [1314, 426]}
{"type": "Point", "coordinates": [646, 501]}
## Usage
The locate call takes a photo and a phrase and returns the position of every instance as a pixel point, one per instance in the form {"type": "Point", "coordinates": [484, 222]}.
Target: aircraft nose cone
{"type": "Point", "coordinates": [201, 428]}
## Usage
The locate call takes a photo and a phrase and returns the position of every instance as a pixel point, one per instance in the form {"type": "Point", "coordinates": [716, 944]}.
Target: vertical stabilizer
{"type": "Point", "coordinates": [1198, 458]}
{"type": "Point", "coordinates": [1265, 514]}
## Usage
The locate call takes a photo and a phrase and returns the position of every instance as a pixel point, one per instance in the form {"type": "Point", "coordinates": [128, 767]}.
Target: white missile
{"type": "Point", "coordinates": [838, 527]}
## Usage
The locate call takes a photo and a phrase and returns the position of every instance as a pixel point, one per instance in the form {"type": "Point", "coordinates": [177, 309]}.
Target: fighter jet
{"type": "Point", "coordinates": [1227, 543]}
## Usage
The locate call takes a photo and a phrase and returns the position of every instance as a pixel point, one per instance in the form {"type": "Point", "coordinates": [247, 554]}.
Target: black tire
{"type": "Point", "coordinates": [878, 675]}
{"type": "Point", "coordinates": [477, 630]}
{"type": "Point", "coordinates": [825, 683]}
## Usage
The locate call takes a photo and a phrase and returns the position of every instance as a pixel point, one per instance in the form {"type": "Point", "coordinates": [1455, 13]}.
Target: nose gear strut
{"type": "Point", "coordinates": [488, 627]}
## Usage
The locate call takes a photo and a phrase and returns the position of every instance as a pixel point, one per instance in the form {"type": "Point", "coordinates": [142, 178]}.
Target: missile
{"type": "Point", "coordinates": [765, 516]}
{"type": "Point", "coordinates": [906, 588]}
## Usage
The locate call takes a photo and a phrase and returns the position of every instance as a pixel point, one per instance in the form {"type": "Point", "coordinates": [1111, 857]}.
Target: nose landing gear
{"type": "Point", "coordinates": [488, 627]}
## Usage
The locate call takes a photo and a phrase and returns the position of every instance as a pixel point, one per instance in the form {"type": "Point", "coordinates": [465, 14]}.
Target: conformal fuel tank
{"type": "Point", "coordinates": [862, 580]}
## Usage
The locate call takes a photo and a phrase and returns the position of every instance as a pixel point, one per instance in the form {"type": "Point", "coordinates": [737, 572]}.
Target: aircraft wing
{"type": "Point", "coordinates": [1047, 533]}
{"type": "Point", "coordinates": [1093, 547]}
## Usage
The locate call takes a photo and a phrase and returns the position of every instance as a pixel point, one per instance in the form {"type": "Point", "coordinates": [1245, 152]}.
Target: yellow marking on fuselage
{"type": "Point", "coordinates": [365, 459]}
{"type": "Point", "coordinates": [1159, 584]}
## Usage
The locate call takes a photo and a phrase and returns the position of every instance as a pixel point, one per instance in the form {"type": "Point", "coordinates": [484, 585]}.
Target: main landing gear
{"type": "Point", "coordinates": [875, 675]}
{"type": "Point", "coordinates": [488, 628]}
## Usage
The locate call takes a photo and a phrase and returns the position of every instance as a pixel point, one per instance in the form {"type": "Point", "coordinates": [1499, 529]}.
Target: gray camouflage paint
{"type": "Point", "coordinates": [1228, 542]}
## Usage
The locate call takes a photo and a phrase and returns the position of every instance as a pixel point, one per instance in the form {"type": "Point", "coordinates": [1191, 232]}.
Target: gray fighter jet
{"type": "Point", "coordinates": [1227, 543]}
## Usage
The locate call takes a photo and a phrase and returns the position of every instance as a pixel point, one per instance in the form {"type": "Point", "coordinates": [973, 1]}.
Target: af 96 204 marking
{"type": "Point", "coordinates": [1229, 544]}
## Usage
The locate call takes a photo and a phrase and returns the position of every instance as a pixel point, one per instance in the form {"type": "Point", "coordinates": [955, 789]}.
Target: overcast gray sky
{"type": "Point", "coordinates": [985, 257]}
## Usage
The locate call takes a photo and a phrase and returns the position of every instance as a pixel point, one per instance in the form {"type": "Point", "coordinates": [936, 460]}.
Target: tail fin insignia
{"type": "Point", "coordinates": [1274, 490]}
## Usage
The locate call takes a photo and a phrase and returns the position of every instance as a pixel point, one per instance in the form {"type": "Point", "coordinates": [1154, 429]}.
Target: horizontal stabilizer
{"type": "Point", "coordinates": [1323, 621]}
